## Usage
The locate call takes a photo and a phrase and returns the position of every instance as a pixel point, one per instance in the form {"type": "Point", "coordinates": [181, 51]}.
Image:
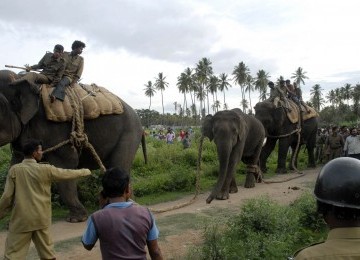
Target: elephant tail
{"type": "Point", "coordinates": [143, 145]}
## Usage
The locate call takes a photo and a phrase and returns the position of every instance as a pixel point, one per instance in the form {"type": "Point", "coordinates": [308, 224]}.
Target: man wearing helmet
{"type": "Point", "coordinates": [337, 192]}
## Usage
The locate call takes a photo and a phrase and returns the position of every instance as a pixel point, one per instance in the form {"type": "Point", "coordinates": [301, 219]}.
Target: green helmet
{"type": "Point", "coordinates": [338, 183]}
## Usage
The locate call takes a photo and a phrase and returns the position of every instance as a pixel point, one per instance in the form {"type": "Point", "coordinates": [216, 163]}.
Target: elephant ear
{"type": "Point", "coordinates": [207, 127]}
{"type": "Point", "coordinates": [242, 127]}
{"type": "Point", "coordinates": [26, 101]}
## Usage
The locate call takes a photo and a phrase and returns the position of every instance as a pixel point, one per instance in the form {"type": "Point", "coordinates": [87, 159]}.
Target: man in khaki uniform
{"type": "Point", "coordinates": [27, 194]}
{"type": "Point", "coordinates": [334, 143]}
{"type": "Point", "coordinates": [337, 194]}
{"type": "Point", "coordinates": [73, 70]}
{"type": "Point", "coordinates": [52, 66]}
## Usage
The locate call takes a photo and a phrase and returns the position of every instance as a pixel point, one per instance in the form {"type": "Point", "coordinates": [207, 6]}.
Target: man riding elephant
{"type": "Point", "coordinates": [52, 66]}
{"type": "Point", "coordinates": [73, 70]}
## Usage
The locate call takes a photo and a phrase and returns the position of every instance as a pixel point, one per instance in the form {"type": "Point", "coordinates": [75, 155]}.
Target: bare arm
{"type": "Point", "coordinates": [154, 250]}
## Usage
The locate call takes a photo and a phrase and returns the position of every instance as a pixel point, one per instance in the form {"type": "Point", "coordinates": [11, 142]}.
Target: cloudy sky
{"type": "Point", "coordinates": [130, 41]}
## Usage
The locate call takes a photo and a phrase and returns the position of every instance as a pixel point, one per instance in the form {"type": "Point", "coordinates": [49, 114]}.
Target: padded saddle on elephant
{"type": "Point", "coordinates": [293, 115]}
{"type": "Point", "coordinates": [95, 101]}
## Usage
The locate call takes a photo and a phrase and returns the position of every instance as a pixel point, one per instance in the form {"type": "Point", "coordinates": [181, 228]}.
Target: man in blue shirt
{"type": "Point", "coordinates": [123, 227]}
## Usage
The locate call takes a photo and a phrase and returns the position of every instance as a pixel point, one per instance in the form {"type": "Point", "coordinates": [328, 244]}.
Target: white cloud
{"type": "Point", "coordinates": [130, 41]}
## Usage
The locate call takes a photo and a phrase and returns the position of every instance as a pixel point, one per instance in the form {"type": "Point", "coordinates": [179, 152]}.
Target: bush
{"type": "Point", "coordinates": [262, 230]}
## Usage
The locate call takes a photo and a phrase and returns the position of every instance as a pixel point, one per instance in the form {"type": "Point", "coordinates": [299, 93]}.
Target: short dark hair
{"type": "Point", "coordinates": [59, 48]}
{"type": "Point", "coordinates": [77, 44]}
{"type": "Point", "coordinates": [31, 146]}
{"type": "Point", "coordinates": [114, 182]}
{"type": "Point", "coordinates": [340, 213]}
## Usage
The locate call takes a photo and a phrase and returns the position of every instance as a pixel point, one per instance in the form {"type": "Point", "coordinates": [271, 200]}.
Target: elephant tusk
{"type": "Point", "coordinates": [264, 142]}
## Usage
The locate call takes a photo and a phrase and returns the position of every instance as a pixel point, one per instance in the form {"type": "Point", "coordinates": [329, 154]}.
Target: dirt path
{"type": "Point", "coordinates": [181, 229]}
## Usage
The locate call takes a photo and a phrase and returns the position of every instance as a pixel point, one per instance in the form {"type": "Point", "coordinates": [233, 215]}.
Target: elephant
{"type": "Point", "coordinates": [237, 136]}
{"type": "Point", "coordinates": [278, 127]}
{"type": "Point", "coordinates": [115, 138]}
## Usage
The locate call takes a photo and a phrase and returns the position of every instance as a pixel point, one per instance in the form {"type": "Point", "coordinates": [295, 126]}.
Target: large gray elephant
{"type": "Point", "coordinates": [278, 127]}
{"type": "Point", "coordinates": [237, 137]}
{"type": "Point", "coordinates": [115, 138]}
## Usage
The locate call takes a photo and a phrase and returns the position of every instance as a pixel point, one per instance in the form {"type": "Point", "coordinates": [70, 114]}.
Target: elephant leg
{"type": "Point", "coordinates": [69, 195]}
{"type": "Point", "coordinates": [253, 175]}
{"type": "Point", "coordinates": [265, 153]}
{"type": "Point", "coordinates": [233, 186]}
{"type": "Point", "coordinates": [282, 155]}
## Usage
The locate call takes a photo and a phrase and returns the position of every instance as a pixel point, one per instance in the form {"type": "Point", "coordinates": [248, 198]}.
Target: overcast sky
{"type": "Point", "coordinates": [128, 42]}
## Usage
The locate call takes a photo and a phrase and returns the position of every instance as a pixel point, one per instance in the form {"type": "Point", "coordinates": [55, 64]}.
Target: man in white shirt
{"type": "Point", "coordinates": [352, 144]}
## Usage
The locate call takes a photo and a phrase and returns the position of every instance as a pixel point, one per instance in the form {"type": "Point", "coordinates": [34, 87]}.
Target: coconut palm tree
{"type": "Point", "coordinates": [240, 72]}
{"type": "Point", "coordinates": [224, 85]}
{"type": "Point", "coordinates": [346, 92]}
{"type": "Point", "coordinates": [161, 84]}
{"type": "Point", "coordinates": [244, 104]}
{"type": "Point", "coordinates": [316, 96]}
{"type": "Point", "coordinates": [149, 91]}
{"type": "Point", "coordinates": [299, 76]}
{"type": "Point", "coordinates": [184, 84]}
{"type": "Point", "coordinates": [338, 97]}
{"type": "Point", "coordinates": [331, 97]}
{"type": "Point", "coordinates": [249, 88]}
{"type": "Point", "coordinates": [203, 71]}
{"type": "Point", "coordinates": [261, 81]}
{"type": "Point", "coordinates": [356, 99]}
{"type": "Point", "coordinates": [212, 88]}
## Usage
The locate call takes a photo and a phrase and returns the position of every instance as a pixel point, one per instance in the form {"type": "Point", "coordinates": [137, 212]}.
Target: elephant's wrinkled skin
{"type": "Point", "coordinates": [237, 137]}
{"type": "Point", "coordinates": [115, 138]}
{"type": "Point", "coordinates": [276, 123]}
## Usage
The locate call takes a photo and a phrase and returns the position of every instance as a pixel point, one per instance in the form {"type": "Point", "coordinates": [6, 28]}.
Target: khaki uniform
{"type": "Point", "coordinates": [335, 145]}
{"type": "Point", "coordinates": [74, 66]}
{"type": "Point", "coordinates": [27, 194]}
{"type": "Point", "coordinates": [341, 243]}
{"type": "Point", "coordinates": [52, 70]}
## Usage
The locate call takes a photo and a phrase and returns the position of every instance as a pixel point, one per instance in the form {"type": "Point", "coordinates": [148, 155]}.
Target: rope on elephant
{"type": "Point", "coordinates": [286, 180]}
{"type": "Point", "coordinates": [197, 185]}
{"type": "Point", "coordinates": [78, 137]}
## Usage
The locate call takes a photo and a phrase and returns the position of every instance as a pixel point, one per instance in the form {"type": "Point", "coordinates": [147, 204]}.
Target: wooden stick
{"type": "Point", "coordinates": [15, 67]}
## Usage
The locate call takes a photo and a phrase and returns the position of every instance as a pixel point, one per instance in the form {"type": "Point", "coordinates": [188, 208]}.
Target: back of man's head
{"type": "Point", "coordinates": [31, 146]}
{"type": "Point", "coordinates": [114, 182]}
{"type": "Point", "coordinates": [337, 188]}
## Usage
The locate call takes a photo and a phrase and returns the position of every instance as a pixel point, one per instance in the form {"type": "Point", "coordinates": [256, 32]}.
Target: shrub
{"type": "Point", "coordinates": [262, 230]}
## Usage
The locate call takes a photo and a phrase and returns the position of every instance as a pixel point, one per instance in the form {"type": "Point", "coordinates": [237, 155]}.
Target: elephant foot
{"type": "Point", "coordinates": [222, 197]}
{"type": "Point", "coordinates": [250, 181]}
{"type": "Point", "coordinates": [233, 189]}
{"type": "Point", "coordinates": [73, 219]}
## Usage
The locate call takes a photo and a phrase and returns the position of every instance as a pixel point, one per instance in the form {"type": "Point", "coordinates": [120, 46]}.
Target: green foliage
{"type": "Point", "coordinates": [263, 230]}
{"type": "Point", "coordinates": [5, 157]}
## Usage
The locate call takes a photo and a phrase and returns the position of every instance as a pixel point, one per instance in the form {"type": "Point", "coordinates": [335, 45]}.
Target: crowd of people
{"type": "Point", "coordinates": [170, 136]}
{"type": "Point", "coordinates": [58, 69]}
{"type": "Point", "coordinates": [333, 142]}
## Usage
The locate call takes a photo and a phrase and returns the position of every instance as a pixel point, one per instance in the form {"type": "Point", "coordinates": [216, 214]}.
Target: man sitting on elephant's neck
{"type": "Point", "coordinates": [277, 93]}
{"type": "Point", "coordinates": [52, 65]}
{"type": "Point", "coordinates": [73, 70]}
